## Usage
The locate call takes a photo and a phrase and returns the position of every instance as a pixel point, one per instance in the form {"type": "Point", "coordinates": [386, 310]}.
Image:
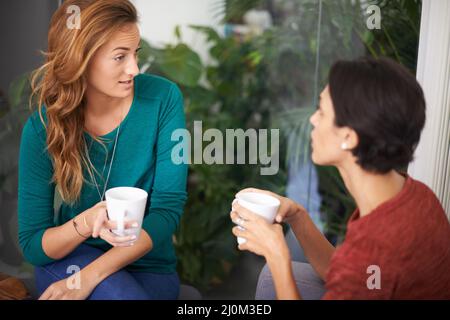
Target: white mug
{"type": "Point", "coordinates": [126, 203]}
{"type": "Point", "coordinates": [262, 204]}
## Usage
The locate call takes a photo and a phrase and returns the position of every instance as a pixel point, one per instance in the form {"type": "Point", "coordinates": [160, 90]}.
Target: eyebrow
{"type": "Point", "coordinates": [125, 48]}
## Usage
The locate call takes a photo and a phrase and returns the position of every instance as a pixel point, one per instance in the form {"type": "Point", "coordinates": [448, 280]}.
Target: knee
{"type": "Point", "coordinates": [265, 289]}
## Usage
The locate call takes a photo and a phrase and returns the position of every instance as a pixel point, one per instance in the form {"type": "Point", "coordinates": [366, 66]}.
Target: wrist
{"type": "Point", "coordinates": [299, 214]}
{"type": "Point", "coordinates": [89, 278]}
{"type": "Point", "coordinates": [279, 259]}
{"type": "Point", "coordinates": [84, 223]}
{"type": "Point", "coordinates": [280, 264]}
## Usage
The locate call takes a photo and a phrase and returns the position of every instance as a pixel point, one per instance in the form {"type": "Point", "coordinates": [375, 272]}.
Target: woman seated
{"type": "Point", "coordinates": [397, 244]}
{"type": "Point", "coordinates": [99, 124]}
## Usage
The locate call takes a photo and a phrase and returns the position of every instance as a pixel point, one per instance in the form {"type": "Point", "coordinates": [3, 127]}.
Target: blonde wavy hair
{"type": "Point", "coordinates": [60, 84]}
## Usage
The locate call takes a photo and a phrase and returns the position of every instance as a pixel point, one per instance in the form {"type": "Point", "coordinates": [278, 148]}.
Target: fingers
{"type": "Point", "coordinates": [115, 240]}
{"type": "Point", "coordinates": [49, 294]}
{"type": "Point", "coordinates": [249, 244]}
{"type": "Point", "coordinates": [234, 216]}
{"type": "Point", "coordinates": [101, 204]}
{"type": "Point", "coordinates": [244, 246]}
{"type": "Point", "coordinates": [46, 295]}
{"type": "Point", "coordinates": [281, 214]}
{"type": "Point", "coordinates": [98, 223]}
{"type": "Point", "coordinates": [240, 232]}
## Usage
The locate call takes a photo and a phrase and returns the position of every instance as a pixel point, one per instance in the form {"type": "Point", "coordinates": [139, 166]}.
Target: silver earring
{"type": "Point", "coordinates": [344, 146]}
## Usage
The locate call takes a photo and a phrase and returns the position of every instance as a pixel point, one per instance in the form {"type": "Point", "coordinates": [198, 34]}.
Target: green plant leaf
{"type": "Point", "coordinates": [17, 90]}
{"type": "Point", "coordinates": [181, 64]}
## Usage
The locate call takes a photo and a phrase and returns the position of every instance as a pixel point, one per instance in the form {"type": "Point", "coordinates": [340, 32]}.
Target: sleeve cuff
{"type": "Point", "coordinates": [35, 254]}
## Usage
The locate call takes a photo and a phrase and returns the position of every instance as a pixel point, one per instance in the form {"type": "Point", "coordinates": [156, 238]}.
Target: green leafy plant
{"type": "Point", "coordinates": [13, 114]}
{"type": "Point", "coordinates": [233, 96]}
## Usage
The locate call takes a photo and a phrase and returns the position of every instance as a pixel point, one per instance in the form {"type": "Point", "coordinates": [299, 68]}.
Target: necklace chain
{"type": "Point", "coordinates": [102, 195]}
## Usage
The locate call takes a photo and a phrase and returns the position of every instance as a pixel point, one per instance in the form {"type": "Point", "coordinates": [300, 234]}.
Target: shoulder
{"type": "Point", "coordinates": [156, 87]}
{"type": "Point", "coordinates": [424, 196]}
{"type": "Point", "coordinates": [34, 127]}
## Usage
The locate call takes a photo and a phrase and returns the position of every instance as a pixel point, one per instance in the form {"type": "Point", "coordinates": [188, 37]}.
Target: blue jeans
{"type": "Point", "coordinates": [122, 285]}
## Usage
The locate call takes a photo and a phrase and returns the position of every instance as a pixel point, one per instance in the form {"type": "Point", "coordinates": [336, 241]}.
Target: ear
{"type": "Point", "coordinates": [349, 137]}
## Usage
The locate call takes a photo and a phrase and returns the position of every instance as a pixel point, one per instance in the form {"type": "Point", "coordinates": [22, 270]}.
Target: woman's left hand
{"type": "Point", "coordinates": [262, 238]}
{"type": "Point", "coordinates": [72, 288]}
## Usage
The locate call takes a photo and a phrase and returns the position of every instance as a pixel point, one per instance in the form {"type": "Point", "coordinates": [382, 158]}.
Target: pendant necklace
{"type": "Point", "coordinates": [102, 195]}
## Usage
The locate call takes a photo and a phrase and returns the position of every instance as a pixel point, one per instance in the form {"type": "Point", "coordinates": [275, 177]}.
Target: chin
{"type": "Point", "coordinates": [121, 95]}
{"type": "Point", "coordinates": [315, 158]}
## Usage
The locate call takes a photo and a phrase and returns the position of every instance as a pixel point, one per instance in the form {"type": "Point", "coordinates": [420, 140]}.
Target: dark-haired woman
{"type": "Point", "coordinates": [397, 244]}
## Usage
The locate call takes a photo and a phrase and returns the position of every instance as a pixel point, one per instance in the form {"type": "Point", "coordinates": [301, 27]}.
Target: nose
{"type": "Point", "coordinates": [312, 119]}
{"type": "Point", "coordinates": [132, 68]}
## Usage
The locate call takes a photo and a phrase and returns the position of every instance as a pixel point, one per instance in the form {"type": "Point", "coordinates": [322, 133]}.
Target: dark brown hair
{"type": "Point", "coordinates": [383, 102]}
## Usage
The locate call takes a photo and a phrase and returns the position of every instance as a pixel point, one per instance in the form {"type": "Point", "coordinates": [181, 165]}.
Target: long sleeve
{"type": "Point", "coordinates": [168, 194]}
{"type": "Point", "coordinates": [35, 194]}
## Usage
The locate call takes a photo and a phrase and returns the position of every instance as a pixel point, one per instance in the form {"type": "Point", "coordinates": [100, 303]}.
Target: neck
{"type": "Point", "coordinates": [99, 105]}
{"type": "Point", "coordinates": [370, 190]}
{"type": "Point", "coordinates": [103, 113]}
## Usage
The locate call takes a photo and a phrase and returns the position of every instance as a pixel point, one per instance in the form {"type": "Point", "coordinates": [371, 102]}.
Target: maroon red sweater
{"type": "Point", "coordinates": [401, 250]}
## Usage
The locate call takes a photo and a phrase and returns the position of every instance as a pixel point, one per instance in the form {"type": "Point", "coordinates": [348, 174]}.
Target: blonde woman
{"type": "Point", "coordinates": [99, 125]}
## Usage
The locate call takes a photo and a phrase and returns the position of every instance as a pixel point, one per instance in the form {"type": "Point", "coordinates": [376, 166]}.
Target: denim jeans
{"type": "Point", "coordinates": [309, 284]}
{"type": "Point", "coordinates": [122, 285]}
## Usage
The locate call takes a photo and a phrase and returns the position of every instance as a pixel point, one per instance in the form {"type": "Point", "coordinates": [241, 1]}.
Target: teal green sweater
{"type": "Point", "coordinates": [142, 159]}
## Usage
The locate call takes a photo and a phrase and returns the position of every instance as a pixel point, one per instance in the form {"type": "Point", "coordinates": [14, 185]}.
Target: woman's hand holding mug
{"type": "Point", "coordinates": [101, 226]}
{"type": "Point", "coordinates": [289, 211]}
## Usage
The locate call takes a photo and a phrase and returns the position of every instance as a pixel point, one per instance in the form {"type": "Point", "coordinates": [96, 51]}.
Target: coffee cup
{"type": "Point", "coordinates": [126, 204]}
{"type": "Point", "coordinates": [261, 204]}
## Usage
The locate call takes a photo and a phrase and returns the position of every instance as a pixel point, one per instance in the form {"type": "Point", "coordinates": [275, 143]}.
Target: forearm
{"type": "Point", "coordinates": [317, 249]}
{"type": "Point", "coordinates": [117, 258]}
{"type": "Point", "coordinates": [58, 242]}
{"type": "Point", "coordinates": [283, 278]}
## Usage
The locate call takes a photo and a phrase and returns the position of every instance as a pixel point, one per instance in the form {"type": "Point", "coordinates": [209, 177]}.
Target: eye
{"type": "Point", "coordinates": [118, 58]}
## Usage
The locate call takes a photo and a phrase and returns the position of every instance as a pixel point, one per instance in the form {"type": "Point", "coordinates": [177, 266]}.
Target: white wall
{"type": "Point", "coordinates": [158, 19]}
{"type": "Point", "coordinates": [432, 159]}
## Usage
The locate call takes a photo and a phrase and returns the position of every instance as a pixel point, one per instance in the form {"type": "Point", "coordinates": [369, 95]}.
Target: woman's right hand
{"type": "Point", "coordinates": [101, 226]}
{"type": "Point", "coordinates": [289, 210]}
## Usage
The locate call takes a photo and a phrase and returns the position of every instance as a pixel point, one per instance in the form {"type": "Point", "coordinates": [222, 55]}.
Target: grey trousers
{"type": "Point", "coordinates": [309, 284]}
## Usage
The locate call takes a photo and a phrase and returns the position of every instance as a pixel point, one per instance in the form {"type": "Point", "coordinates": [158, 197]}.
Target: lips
{"type": "Point", "coordinates": [126, 82]}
